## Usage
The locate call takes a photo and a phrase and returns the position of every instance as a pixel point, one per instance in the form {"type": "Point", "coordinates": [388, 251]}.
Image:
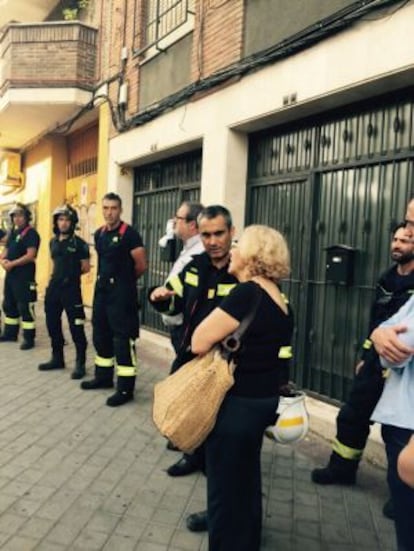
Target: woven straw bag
{"type": "Point", "coordinates": [187, 402]}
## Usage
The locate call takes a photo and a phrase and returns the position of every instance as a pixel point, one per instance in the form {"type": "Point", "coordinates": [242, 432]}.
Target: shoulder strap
{"type": "Point", "coordinates": [232, 342]}
{"type": "Point", "coordinates": [25, 230]}
{"type": "Point", "coordinates": [121, 230]}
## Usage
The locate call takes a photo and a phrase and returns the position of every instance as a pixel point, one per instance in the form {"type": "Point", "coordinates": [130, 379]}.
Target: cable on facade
{"type": "Point", "coordinates": [309, 36]}
{"type": "Point", "coordinates": [305, 38]}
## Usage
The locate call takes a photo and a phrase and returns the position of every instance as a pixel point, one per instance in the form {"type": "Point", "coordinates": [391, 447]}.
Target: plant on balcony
{"type": "Point", "coordinates": [70, 9]}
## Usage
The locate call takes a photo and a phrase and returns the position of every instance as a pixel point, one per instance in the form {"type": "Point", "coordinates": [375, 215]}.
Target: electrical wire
{"type": "Point", "coordinates": [305, 38]}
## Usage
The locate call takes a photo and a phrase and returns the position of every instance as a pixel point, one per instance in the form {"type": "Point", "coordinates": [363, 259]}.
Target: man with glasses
{"type": "Point", "coordinates": [185, 229]}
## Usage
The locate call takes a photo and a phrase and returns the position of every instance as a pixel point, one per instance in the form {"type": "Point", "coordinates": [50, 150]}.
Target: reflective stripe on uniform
{"type": "Point", "coordinates": [176, 285]}
{"type": "Point", "coordinates": [126, 370]}
{"type": "Point", "coordinates": [285, 353]}
{"type": "Point", "coordinates": [386, 373]}
{"type": "Point", "coordinates": [79, 321]}
{"type": "Point", "coordinates": [344, 451]}
{"type": "Point", "coordinates": [32, 309]}
{"type": "Point", "coordinates": [104, 362]}
{"type": "Point", "coordinates": [292, 422]}
{"type": "Point", "coordinates": [223, 289]}
{"type": "Point", "coordinates": [133, 352]}
{"type": "Point", "coordinates": [367, 344]}
{"type": "Point", "coordinates": [28, 325]}
{"type": "Point", "coordinates": [191, 279]}
{"type": "Point", "coordinates": [11, 321]}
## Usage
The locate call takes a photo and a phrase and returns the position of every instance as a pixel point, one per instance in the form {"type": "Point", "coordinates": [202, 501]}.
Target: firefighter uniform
{"type": "Point", "coordinates": [199, 288]}
{"type": "Point", "coordinates": [353, 420]}
{"type": "Point", "coordinates": [115, 318]}
{"type": "Point", "coordinates": [64, 294]}
{"type": "Point", "coordinates": [20, 285]}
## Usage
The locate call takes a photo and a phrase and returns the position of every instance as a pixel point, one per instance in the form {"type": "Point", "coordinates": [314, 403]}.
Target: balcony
{"type": "Point", "coordinates": [47, 73]}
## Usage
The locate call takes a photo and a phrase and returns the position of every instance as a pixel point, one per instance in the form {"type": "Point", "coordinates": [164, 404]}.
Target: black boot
{"type": "Point", "coordinates": [119, 398]}
{"type": "Point", "coordinates": [103, 379]}
{"type": "Point", "coordinates": [124, 392]}
{"type": "Point", "coordinates": [5, 338]}
{"type": "Point", "coordinates": [56, 362]}
{"type": "Point", "coordinates": [80, 369]}
{"type": "Point", "coordinates": [197, 522]}
{"type": "Point", "coordinates": [338, 471]}
{"type": "Point", "coordinates": [10, 333]}
{"type": "Point", "coordinates": [28, 345]}
{"type": "Point", "coordinates": [28, 339]}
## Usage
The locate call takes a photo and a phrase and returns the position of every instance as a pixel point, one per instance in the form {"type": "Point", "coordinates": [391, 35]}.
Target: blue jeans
{"type": "Point", "coordinates": [402, 495]}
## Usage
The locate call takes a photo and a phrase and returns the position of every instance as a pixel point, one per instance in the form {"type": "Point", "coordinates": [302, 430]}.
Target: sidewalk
{"type": "Point", "coordinates": [78, 475]}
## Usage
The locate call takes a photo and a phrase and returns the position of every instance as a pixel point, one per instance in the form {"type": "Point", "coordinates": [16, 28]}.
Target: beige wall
{"type": "Point", "coordinates": [44, 169]}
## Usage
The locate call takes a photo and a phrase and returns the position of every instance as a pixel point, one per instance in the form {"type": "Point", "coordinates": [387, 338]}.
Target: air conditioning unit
{"type": "Point", "coordinates": [10, 169]}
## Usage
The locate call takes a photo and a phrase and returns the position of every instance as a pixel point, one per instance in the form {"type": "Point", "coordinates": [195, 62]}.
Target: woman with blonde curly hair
{"type": "Point", "coordinates": [234, 500]}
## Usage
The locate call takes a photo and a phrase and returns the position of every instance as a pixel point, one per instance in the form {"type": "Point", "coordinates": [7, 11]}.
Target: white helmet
{"type": "Point", "coordinates": [293, 420]}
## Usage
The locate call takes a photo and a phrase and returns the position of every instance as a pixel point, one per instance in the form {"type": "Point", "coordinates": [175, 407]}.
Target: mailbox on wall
{"type": "Point", "coordinates": [340, 261]}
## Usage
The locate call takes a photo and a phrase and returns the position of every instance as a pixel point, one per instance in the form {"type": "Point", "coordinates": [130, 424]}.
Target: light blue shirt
{"type": "Point", "coordinates": [396, 405]}
{"type": "Point", "coordinates": [192, 247]}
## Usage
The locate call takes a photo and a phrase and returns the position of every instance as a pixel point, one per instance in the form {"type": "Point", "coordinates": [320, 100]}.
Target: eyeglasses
{"type": "Point", "coordinates": [181, 218]}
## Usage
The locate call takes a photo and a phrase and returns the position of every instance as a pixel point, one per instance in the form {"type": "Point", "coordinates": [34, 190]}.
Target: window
{"type": "Point", "coordinates": [166, 21]}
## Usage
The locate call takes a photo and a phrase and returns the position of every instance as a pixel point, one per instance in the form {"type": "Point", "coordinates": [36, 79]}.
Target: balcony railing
{"type": "Point", "coordinates": [48, 55]}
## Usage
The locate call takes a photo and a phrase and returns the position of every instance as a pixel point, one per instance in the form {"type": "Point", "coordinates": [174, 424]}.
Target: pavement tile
{"type": "Point", "coordinates": [19, 543]}
{"type": "Point", "coordinates": [36, 527]}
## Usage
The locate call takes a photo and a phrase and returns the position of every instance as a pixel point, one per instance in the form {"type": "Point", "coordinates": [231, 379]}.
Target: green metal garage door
{"type": "Point", "coordinates": [344, 180]}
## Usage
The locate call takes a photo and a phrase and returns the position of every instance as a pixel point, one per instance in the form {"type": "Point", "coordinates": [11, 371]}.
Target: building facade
{"type": "Point", "coordinates": [294, 114]}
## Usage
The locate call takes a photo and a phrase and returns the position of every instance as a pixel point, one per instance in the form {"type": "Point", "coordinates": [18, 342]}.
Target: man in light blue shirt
{"type": "Point", "coordinates": [185, 229]}
{"type": "Point", "coordinates": [394, 342]}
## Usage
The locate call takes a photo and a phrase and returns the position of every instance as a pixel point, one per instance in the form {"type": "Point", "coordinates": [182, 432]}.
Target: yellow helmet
{"type": "Point", "coordinates": [293, 420]}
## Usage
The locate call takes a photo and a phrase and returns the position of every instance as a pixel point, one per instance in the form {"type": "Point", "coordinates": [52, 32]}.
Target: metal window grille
{"type": "Point", "coordinates": [165, 16]}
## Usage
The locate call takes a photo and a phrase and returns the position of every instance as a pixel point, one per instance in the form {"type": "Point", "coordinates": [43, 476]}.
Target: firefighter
{"type": "Point", "coordinates": [195, 292]}
{"type": "Point", "coordinates": [19, 261]}
{"type": "Point", "coordinates": [70, 255]}
{"type": "Point", "coordinates": [115, 322]}
{"type": "Point", "coordinates": [394, 288]}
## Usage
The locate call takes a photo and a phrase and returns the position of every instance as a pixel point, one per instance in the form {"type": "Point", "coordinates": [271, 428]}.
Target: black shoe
{"type": "Point", "coordinates": [27, 345]}
{"type": "Point", "coordinates": [52, 364]}
{"type": "Point", "coordinates": [183, 467]}
{"type": "Point", "coordinates": [79, 372]}
{"type": "Point", "coordinates": [96, 383]}
{"type": "Point", "coordinates": [5, 338]}
{"type": "Point", "coordinates": [388, 509]}
{"type": "Point", "coordinates": [197, 522]}
{"type": "Point", "coordinates": [170, 446]}
{"type": "Point", "coordinates": [327, 475]}
{"type": "Point", "coordinates": [119, 398]}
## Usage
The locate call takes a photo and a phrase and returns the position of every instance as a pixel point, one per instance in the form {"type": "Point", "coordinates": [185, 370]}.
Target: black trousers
{"type": "Point", "coordinates": [234, 488]}
{"type": "Point", "coordinates": [69, 299]}
{"type": "Point", "coordinates": [115, 326]}
{"type": "Point", "coordinates": [18, 302]}
{"type": "Point", "coordinates": [353, 420]}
